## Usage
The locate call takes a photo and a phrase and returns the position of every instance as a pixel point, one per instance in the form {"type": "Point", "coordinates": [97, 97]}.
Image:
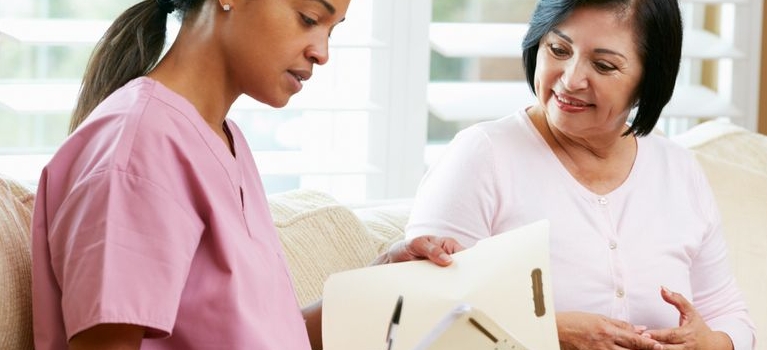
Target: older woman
{"type": "Point", "coordinates": [632, 216]}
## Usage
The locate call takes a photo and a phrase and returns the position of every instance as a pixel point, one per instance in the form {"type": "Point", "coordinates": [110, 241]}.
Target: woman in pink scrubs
{"type": "Point", "coordinates": [151, 227]}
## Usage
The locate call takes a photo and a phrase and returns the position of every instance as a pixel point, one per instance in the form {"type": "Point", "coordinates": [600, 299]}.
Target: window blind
{"type": "Point", "coordinates": [334, 136]}
{"type": "Point", "coordinates": [731, 43]}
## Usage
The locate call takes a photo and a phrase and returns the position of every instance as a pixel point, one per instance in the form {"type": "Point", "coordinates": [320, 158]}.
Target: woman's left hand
{"type": "Point", "coordinates": [693, 333]}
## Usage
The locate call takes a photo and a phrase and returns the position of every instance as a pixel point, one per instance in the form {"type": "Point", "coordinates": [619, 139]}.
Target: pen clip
{"type": "Point", "coordinates": [393, 323]}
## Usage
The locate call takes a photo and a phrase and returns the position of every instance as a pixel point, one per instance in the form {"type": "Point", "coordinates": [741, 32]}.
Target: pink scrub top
{"type": "Point", "coordinates": [145, 217]}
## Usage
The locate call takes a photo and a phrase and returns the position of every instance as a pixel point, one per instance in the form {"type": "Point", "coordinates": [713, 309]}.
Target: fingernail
{"type": "Point", "coordinates": [657, 347]}
{"type": "Point", "coordinates": [666, 289]}
{"type": "Point", "coordinates": [446, 258]}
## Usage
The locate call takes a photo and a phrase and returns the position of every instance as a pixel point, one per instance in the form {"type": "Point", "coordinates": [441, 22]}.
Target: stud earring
{"type": "Point", "coordinates": [226, 7]}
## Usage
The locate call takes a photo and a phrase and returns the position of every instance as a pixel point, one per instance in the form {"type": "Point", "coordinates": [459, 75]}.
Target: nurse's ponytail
{"type": "Point", "coordinates": [129, 49]}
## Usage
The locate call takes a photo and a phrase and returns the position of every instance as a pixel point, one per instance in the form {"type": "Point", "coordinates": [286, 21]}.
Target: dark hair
{"type": "Point", "coordinates": [658, 33]}
{"type": "Point", "coordinates": [130, 48]}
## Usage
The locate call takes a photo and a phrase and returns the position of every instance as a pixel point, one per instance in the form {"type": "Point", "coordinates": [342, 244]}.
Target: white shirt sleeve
{"type": "Point", "coordinates": [456, 196]}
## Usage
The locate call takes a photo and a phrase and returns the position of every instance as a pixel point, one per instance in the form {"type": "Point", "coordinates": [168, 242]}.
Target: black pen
{"type": "Point", "coordinates": [394, 323]}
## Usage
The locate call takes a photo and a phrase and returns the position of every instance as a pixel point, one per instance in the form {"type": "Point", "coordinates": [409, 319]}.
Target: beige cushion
{"type": "Point", "coordinates": [16, 204]}
{"type": "Point", "coordinates": [728, 142]}
{"type": "Point", "coordinates": [385, 221]}
{"type": "Point", "coordinates": [320, 237]}
{"type": "Point", "coordinates": [741, 195]}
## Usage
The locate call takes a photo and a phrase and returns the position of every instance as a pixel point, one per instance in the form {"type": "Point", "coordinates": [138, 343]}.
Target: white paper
{"type": "Point", "coordinates": [493, 276]}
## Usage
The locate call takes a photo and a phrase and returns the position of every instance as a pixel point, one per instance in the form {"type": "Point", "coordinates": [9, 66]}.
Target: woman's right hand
{"type": "Point", "coordinates": [433, 248]}
{"type": "Point", "coordinates": [580, 331]}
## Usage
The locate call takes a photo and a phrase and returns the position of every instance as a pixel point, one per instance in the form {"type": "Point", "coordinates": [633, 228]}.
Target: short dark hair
{"type": "Point", "coordinates": [658, 33]}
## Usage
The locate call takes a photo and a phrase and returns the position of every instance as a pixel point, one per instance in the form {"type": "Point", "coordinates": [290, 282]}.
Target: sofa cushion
{"type": "Point", "coordinates": [319, 237]}
{"type": "Point", "coordinates": [741, 195]}
{"type": "Point", "coordinates": [384, 220]}
{"type": "Point", "coordinates": [16, 204]}
{"type": "Point", "coordinates": [729, 142]}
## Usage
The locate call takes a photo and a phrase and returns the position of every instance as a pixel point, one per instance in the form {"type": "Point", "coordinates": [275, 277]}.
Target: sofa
{"type": "Point", "coordinates": [321, 236]}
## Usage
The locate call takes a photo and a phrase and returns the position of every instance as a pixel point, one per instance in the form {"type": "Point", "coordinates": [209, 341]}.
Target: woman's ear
{"type": "Point", "coordinates": [225, 5]}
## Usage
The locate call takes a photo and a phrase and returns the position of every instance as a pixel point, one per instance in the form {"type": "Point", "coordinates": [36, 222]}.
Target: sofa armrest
{"type": "Point", "coordinates": [16, 205]}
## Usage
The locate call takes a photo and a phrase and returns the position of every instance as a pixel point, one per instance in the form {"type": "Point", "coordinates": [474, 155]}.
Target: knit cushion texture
{"type": "Point", "coordinates": [319, 237]}
{"type": "Point", "coordinates": [16, 204]}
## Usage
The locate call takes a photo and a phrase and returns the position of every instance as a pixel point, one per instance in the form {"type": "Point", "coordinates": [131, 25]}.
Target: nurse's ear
{"type": "Point", "coordinates": [226, 6]}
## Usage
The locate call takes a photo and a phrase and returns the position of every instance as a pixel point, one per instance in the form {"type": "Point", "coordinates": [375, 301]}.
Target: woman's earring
{"type": "Point", "coordinates": [226, 7]}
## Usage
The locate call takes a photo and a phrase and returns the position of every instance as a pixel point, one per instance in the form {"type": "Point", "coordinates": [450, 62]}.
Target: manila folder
{"type": "Point", "coordinates": [506, 276]}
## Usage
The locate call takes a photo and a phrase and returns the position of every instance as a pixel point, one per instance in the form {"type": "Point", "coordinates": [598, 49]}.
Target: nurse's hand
{"type": "Point", "coordinates": [692, 333]}
{"type": "Point", "coordinates": [433, 248]}
{"type": "Point", "coordinates": [581, 331]}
